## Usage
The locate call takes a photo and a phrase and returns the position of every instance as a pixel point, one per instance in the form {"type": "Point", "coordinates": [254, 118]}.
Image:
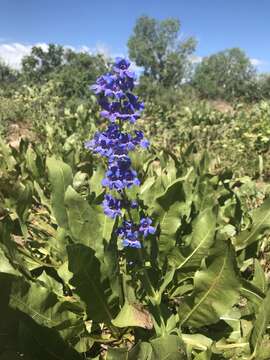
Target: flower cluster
{"type": "Point", "coordinates": [119, 105]}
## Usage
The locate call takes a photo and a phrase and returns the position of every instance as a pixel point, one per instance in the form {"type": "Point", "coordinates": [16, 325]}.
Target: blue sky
{"type": "Point", "coordinates": [216, 24]}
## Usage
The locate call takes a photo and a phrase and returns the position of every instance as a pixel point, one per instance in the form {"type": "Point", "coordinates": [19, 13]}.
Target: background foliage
{"type": "Point", "coordinates": [199, 290]}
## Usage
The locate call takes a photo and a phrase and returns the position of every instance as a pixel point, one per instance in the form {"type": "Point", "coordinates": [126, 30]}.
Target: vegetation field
{"type": "Point", "coordinates": [175, 265]}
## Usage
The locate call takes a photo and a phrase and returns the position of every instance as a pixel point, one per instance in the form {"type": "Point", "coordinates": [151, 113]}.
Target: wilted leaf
{"type": "Point", "coordinates": [133, 315]}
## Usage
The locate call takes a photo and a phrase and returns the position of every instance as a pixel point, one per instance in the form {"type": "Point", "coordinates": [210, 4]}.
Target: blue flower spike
{"type": "Point", "coordinates": [120, 105]}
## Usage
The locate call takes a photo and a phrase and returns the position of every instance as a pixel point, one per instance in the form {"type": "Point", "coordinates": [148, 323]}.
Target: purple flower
{"type": "Point", "coordinates": [103, 82]}
{"type": "Point", "coordinates": [120, 175]}
{"type": "Point", "coordinates": [111, 206]}
{"type": "Point", "coordinates": [133, 204]}
{"type": "Point", "coordinates": [121, 67]}
{"type": "Point", "coordinates": [145, 227]}
{"type": "Point", "coordinates": [130, 235]}
{"type": "Point", "coordinates": [118, 105]}
{"type": "Point", "coordinates": [139, 139]}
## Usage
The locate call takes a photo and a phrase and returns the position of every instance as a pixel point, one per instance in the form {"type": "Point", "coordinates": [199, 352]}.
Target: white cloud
{"type": "Point", "coordinates": [195, 59]}
{"type": "Point", "coordinates": [257, 62]}
{"type": "Point", "coordinates": [12, 53]}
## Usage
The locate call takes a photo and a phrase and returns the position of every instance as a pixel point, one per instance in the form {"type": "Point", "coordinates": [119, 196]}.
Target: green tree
{"type": "Point", "coordinates": [38, 66]}
{"type": "Point", "coordinates": [79, 70]}
{"type": "Point", "coordinates": [264, 84]}
{"type": "Point", "coordinates": [72, 71]}
{"type": "Point", "coordinates": [226, 75]}
{"type": "Point", "coordinates": [8, 77]}
{"type": "Point", "coordinates": [155, 46]}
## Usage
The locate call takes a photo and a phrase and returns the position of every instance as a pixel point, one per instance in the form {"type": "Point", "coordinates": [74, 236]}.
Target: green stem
{"type": "Point", "coordinates": [152, 293]}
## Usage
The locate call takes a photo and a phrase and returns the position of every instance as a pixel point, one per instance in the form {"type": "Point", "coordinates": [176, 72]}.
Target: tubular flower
{"type": "Point", "coordinates": [119, 105]}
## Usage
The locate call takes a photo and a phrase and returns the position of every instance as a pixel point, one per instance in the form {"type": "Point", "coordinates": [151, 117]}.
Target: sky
{"type": "Point", "coordinates": [105, 25]}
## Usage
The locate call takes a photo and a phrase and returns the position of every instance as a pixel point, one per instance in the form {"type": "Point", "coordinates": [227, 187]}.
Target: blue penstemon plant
{"type": "Point", "coordinates": [120, 107]}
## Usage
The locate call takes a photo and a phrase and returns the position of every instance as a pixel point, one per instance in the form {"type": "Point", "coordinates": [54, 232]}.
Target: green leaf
{"type": "Point", "coordinates": [168, 210]}
{"type": "Point", "coordinates": [260, 325]}
{"type": "Point", "coordinates": [95, 181]}
{"type": "Point", "coordinates": [252, 293]}
{"type": "Point", "coordinates": [133, 315]}
{"type": "Point", "coordinates": [30, 160]}
{"type": "Point", "coordinates": [169, 347]}
{"type": "Point", "coordinates": [203, 235]}
{"type": "Point", "coordinates": [141, 351]}
{"type": "Point", "coordinates": [43, 343]}
{"type": "Point", "coordinates": [41, 304]}
{"type": "Point", "coordinates": [168, 277]}
{"type": "Point", "coordinates": [83, 221]}
{"type": "Point", "coordinates": [216, 290]}
{"type": "Point", "coordinates": [5, 265]}
{"type": "Point", "coordinates": [60, 177]}
{"type": "Point", "coordinates": [117, 354]}
{"type": "Point", "coordinates": [259, 279]}
{"type": "Point", "coordinates": [260, 223]}
{"type": "Point", "coordinates": [197, 341]}
{"type": "Point", "coordinates": [88, 283]}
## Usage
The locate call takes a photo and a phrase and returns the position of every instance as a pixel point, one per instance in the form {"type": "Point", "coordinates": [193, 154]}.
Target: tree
{"type": "Point", "coordinates": [38, 66]}
{"type": "Point", "coordinates": [264, 84]}
{"type": "Point", "coordinates": [8, 76]}
{"type": "Point", "coordinates": [78, 72]}
{"type": "Point", "coordinates": [72, 71]}
{"type": "Point", "coordinates": [225, 75]}
{"type": "Point", "coordinates": [155, 46]}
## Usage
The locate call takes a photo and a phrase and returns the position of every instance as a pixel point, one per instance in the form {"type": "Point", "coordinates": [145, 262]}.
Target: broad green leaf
{"type": "Point", "coordinates": [133, 315]}
{"type": "Point", "coordinates": [197, 341]}
{"type": "Point", "coordinates": [141, 351]}
{"type": "Point", "coordinates": [5, 265]}
{"type": "Point", "coordinates": [24, 200]}
{"type": "Point", "coordinates": [30, 160]}
{"type": "Point", "coordinates": [216, 290]}
{"type": "Point", "coordinates": [205, 355]}
{"type": "Point", "coordinates": [150, 189]}
{"type": "Point", "coordinates": [252, 293]}
{"type": "Point", "coordinates": [95, 181]}
{"type": "Point", "coordinates": [260, 325]}
{"type": "Point", "coordinates": [51, 284]}
{"type": "Point", "coordinates": [259, 279]}
{"type": "Point", "coordinates": [83, 220]}
{"type": "Point", "coordinates": [168, 210]}
{"type": "Point", "coordinates": [85, 342]}
{"type": "Point", "coordinates": [43, 198]}
{"type": "Point", "coordinates": [41, 304]}
{"type": "Point", "coordinates": [106, 224]}
{"type": "Point", "coordinates": [203, 234]}
{"type": "Point", "coordinates": [260, 223]}
{"type": "Point", "coordinates": [117, 354]}
{"type": "Point", "coordinates": [169, 347]}
{"type": "Point", "coordinates": [43, 343]}
{"type": "Point", "coordinates": [60, 177]}
{"type": "Point", "coordinates": [168, 277]}
{"type": "Point", "coordinates": [88, 282]}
